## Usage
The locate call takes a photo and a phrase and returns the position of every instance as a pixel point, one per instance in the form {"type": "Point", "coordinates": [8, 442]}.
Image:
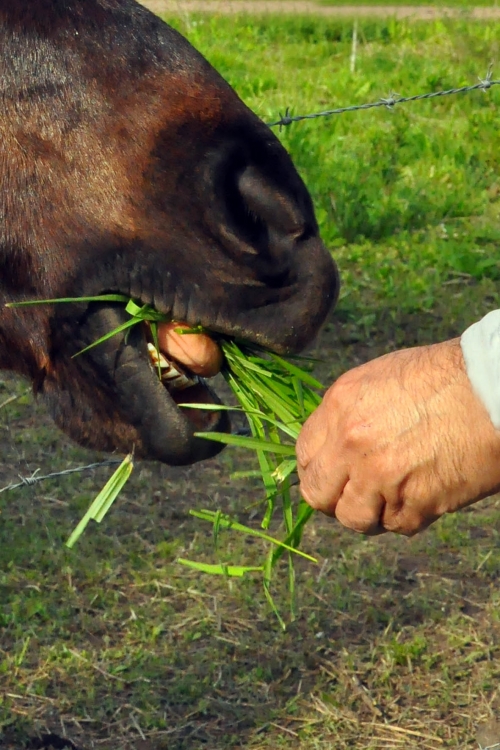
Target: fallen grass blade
{"type": "Point", "coordinates": [104, 499]}
{"type": "Point", "coordinates": [233, 571]}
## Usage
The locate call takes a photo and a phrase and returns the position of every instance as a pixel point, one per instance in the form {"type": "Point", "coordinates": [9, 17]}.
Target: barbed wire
{"type": "Point", "coordinates": [388, 102]}
{"type": "Point", "coordinates": [36, 477]}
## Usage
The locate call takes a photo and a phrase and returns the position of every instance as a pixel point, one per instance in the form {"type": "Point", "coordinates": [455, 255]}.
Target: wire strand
{"type": "Point", "coordinates": [36, 477]}
{"type": "Point", "coordinates": [388, 102]}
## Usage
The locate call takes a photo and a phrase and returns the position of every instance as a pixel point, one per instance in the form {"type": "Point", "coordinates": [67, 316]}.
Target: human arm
{"type": "Point", "coordinates": [400, 441]}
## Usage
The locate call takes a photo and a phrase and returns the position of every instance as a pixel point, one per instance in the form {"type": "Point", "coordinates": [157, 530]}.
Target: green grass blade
{"type": "Point", "coordinates": [118, 329]}
{"type": "Point", "coordinates": [302, 375]}
{"type": "Point", "coordinates": [98, 298]}
{"type": "Point", "coordinates": [284, 469]}
{"type": "Point", "coordinates": [258, 431]}
{"type": "Point", "coordinates": [82, 525]}
{"type": "Point", "coordinates": [267, 576]}
{"type": "Point", "coordinates": [104, 499]}
{"type": "Point", "coordinates": [188, 331]}
{"type": "Point", "coordinates": [216, 527]}
{"type": "Point", "coordinates": [154, 334]}
{"type": "Point", "coordinates": [145, 312]}
{"type": "Point", "coordinates": [226, 522]}
{"type": "Point", "coordinates": [234, 571]}
{"type": "Point", "coordinates": [113, 488]}
{"type": "Point", "coordinates": [299, 392]}
{"type": "Point", "coordinates": [304, 514]}
{"type": "Point", "coordinates": [248, 413]}
{"type": "Point", "coordinates": [212, 407]}
{"type": "Point", "coordinates": [135, 310]}
{"type": "Point", "coordinates": [251, 474]}
{"type": "Point", "coordinates": [247, 442]}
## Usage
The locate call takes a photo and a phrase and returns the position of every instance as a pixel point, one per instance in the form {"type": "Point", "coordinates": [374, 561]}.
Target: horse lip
{"type": "Point", "coordinates": [159, 429]}
{"type": "Point", "coordinates": [184, 387]}
{"type": "Point", "coordinates": [194, 389]}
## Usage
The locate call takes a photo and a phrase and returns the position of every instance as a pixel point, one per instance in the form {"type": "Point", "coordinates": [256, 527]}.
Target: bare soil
{"type": "Point", "coordinates": [301, 7]}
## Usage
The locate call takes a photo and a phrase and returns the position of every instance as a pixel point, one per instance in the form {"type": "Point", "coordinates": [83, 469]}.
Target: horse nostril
{"type": "Point", "coordinates": [270, 204]}
{"type": "Point", "coordinates": [261, 213]}
{"type": "Point", "coordinates": [248, 225]}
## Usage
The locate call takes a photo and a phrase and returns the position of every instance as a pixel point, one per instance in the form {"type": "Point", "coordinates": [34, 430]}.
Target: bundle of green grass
{"type": "Point", "coordinates": [276, 396]}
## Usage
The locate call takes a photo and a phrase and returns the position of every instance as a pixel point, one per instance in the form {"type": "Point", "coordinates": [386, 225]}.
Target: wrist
{"type": "Point", "coordinates": [480, 345]}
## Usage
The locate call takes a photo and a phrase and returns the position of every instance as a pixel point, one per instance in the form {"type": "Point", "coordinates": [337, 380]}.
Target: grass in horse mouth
{"type": "Point", "coordinates": [276, 396]}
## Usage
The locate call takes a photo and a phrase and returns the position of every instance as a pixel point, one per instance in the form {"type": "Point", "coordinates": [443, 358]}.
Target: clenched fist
{"type": "Point", "coordinates": [398, 442]}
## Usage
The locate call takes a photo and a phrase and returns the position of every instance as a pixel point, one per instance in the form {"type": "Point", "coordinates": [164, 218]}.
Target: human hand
{"type": "Point", "coordinates": [398, 442]}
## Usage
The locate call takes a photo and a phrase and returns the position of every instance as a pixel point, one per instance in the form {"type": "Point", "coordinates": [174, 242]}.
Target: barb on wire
{"type": "Point", "coordinates": [36, 477]}
{"type": "Point", "coordinates": [389, 102]}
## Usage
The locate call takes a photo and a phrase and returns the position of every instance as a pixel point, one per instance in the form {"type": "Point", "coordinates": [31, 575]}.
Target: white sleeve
{"type": "Point", "coordinates": [481, 350]}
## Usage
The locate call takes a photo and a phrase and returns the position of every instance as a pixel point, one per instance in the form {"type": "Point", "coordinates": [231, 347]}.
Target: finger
{"type": "Point", "coordinates": [360, 510]}
{"type": "Point", "coordinates": [312, 437]}
{"type": "Point", "coordinates": [322, 482]}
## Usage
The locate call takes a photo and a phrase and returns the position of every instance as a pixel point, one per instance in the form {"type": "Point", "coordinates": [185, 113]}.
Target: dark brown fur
{"type": "Point", "coordinates": [128, 164]}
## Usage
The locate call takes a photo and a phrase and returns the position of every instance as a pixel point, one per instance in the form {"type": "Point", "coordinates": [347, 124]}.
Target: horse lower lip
{"type": "Point", "coordinates": [184, 388]}
{"type": "Point", "coordinates": [204, 420]}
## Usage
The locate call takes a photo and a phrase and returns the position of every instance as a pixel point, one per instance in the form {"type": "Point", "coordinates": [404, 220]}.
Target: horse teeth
{"type": "Point", "coordinates": [170, 376]}
{"type": "Point", "coordinates": [157, 357]}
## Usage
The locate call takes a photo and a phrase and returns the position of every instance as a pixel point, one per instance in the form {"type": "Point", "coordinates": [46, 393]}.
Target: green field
{"type": "Point", "coordinates": [456, 4]}
{"type": "Point", "coordinates": [461, 5]}
{"type": "Point", "coordinates": [397, 642]}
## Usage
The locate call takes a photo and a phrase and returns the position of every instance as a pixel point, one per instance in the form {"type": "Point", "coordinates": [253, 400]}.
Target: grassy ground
{"type": "Point", "coordinates": [465, 4]}
{"type": "Point", "coordinates": [397, 642]}
{"type": "Point", "coordinates": [178, 6]}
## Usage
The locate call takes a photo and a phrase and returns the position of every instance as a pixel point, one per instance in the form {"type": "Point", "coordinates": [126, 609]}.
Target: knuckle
{"type": "Point", "coordinates": [405, 522]}
{"type": "Point", "coordinates": [391, 470]}
{"type": "Point", "coordinates": [337, 393]}
{"type": "Point", "coordinates": [302, 451]}
{"type": "Point", "coordinates": [387, 466]}
{"type": "Point", "coordinates": [355, 435]}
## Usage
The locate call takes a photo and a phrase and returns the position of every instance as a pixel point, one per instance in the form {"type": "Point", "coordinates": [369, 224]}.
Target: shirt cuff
{"type": "Point", "coordinates": [481, 351]}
